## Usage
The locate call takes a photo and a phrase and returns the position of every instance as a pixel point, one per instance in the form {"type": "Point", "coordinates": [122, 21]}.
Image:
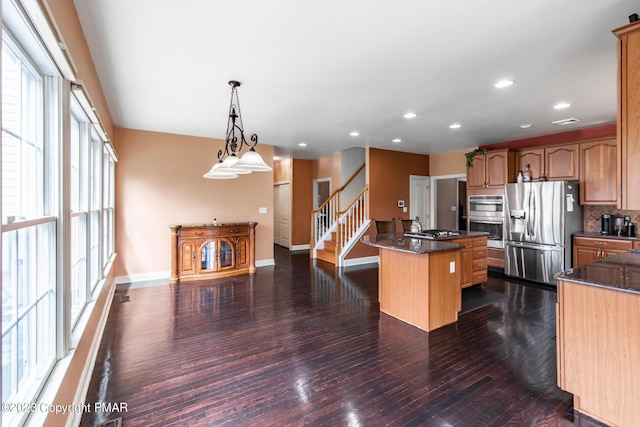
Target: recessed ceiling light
{"type": "Point", "coordinates": [504, 83]}
{"type": "Point", "coordinates": [561, 105]}
{"type": "Point", "coordinates": [525, 125]}
{"type": "Point", "coordinates": [396, 140]}
{"type": "Point", "coordinates": [354, 133]}
{"type": "Point", "coordinates": [410, 115]}
{"type": "Point", "coordinates": [455, 126]}
{"type": "Point", "coordinates": [302, 144]}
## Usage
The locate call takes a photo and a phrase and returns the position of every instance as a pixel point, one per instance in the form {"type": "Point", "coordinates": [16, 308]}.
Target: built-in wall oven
{"type": "Point", "coordinates": [486, 213]}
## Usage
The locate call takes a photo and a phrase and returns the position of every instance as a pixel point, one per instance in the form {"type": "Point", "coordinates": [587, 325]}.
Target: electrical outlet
{"type": "Point", "coordinates": [262, 210]}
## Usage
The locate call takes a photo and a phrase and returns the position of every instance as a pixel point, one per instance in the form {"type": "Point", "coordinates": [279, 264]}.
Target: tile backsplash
{"type": "Point", "coordinates": [592, 216]}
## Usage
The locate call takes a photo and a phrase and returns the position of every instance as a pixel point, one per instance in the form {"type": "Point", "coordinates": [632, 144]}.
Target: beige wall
{"type": "Point", "coordinates": [68, 24]}
{"type": "Point", "coordinates": [159, 182]}
{"type": "Point", "coordinates": [329, 167]}
{"type": "Point", "coordinates": [451, 163]}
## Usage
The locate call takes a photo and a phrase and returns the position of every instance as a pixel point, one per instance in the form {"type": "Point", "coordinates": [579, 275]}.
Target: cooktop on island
{"type": "Point", "coordinates": [432, 234]}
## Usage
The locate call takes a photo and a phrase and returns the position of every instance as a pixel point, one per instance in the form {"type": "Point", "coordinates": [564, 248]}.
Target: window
{"type": "Point", "coordinates": [78, 215]}
{"type": "Point", "coordinates": [29, 232]}
{"type": "Point", "coordinates": [108, 204]}
{"type": "Point", "coordinates": [95, 182]}
{"type": "Point", "coordinates": [57, 225]}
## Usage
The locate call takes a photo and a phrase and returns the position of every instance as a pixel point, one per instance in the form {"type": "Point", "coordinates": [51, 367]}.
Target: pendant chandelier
{"type": "Point", "coordinates": [229, 165]}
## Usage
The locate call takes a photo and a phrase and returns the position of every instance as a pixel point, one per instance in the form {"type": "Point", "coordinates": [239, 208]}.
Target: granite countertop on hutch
{"type": "Point", "coordinates": [222, 224]}
{"type": "Point", "coordinates": [597, 235]}
{"type": "Point", "coordinates": [619, 272]}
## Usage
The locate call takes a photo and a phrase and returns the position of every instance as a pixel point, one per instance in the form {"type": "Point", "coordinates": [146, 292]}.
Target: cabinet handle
{"type": "Point", "coordinates": [199, 233]}
{"type": "Point", "coordinates": [234, 231]}
{"type": "Point", "coordinates": [600, 243]}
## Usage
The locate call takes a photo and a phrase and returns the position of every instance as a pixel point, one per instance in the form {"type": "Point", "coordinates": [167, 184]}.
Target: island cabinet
{"type": "Point", "coordinates": [473, 260]}
{"type": "Point", "coordinates": [207, 251]}
{"type": "Point", "coordinates": [558, 162]}
{"type": "Point", "coordinates": [628, 130]}
{"type": "Point", "coordinates": [598, 177]}
{"type": "Point", "coordinates": [589, 249]}
{"type": "Point", "coordinates": [492, 170]}
{"type": "Point", "coordinates": [598, 346]}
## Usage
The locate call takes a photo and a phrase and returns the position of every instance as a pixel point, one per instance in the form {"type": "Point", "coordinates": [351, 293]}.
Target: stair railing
{"type": "Point", "coordinates": [324, 219]}
{"type": "Point", "coordinates": [351, 223]}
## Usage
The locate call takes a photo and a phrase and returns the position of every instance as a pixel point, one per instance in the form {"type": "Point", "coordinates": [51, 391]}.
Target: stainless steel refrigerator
{"type": "Point", "coordinates": [541, 218]}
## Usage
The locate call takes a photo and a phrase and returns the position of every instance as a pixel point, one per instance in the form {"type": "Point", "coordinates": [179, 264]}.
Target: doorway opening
{"type": "Point", "coordinates": [321, 191]}
{"type": "Point", "coordinates": [449, 201]}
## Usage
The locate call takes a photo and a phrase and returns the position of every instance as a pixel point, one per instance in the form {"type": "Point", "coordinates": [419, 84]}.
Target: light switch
{"type": "Point", "coordinates": [262, 210]}
{"type": "Point", "coordinates": [404, 209]}
{"type": "Point", "coordinates": [452, 267]}
{"type": "Point", "coordinates": [453, 209]}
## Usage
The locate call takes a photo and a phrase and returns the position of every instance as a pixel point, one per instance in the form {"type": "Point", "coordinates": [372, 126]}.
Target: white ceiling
{"type": "Point", "coordinates": [313, 71]}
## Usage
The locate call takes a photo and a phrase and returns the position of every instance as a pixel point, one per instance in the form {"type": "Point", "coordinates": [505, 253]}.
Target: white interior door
{"type": "Point", "coordinates": [282, 215]}
{"type": "Point", "coordinates": [419, 198]}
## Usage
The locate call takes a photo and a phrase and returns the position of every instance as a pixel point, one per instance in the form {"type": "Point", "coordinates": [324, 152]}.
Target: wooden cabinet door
{"type": "Point", "coordinates": [226, 254]}
{"type": "Point", "coordinates": [629, 113]}
{"type": "Point", "coordinates": [535, 159]}
{"type": "Point", "coordinates": [476, 173]}
{"type": "Point", "coordinates": [598, 173]}
{"type": "Point", "coordinates": [242, 252]}
{"type": "Point", "coordinates": [497, 168]}
{"type": "Point", "coordinates": [583, 255]}
{"type": "Point", "coordinates": [187, 257]}
{"type": "Point", "coordinates": [561, 162]}
{"type": "Point", "coordinates": [466, 267]}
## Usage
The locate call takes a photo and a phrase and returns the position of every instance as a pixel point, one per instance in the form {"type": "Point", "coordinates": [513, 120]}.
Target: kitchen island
{"type": "Point", "coordinates": [598, 339]}
{"type": "Point", "coordinates": [418, 279]}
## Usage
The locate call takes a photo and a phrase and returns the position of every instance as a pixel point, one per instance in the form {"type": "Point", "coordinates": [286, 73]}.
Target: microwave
{"type": "Point", "coordinates": [486, 206]}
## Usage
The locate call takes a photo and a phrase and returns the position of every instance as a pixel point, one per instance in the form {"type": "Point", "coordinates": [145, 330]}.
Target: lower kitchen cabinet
{"type": "Point", "coordinates": [207, 251]}
{"type": "Point", "coordinates": [589, 249]}
{"type": "Point", "coordinates": [473, 260]}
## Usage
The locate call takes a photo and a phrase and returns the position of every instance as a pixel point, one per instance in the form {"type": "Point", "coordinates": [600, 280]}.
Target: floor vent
{"type": "Point", "coordinates": [111, 423]}
{"type": "Point", "coordinates": [124, 298]}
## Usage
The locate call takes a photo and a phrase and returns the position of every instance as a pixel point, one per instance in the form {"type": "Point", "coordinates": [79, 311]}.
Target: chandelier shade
{"type": "Point", "coordinates": [229, 165]}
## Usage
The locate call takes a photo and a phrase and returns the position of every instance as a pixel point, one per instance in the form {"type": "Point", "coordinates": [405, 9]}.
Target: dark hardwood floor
{"type": "Point", "coordinates": [298, 344]}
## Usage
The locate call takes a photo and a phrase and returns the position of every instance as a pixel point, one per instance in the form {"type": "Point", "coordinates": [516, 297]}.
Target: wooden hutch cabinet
{"type": "Point", "coordinates": [491, 170]}
{"type": "Point", "coordinates": [207, 251]}
{"type": "Point", "coordinates": [629, 114]}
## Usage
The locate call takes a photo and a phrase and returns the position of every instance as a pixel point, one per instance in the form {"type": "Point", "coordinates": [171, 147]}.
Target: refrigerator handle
{"type": "Point", "coordinates": [529, 222]}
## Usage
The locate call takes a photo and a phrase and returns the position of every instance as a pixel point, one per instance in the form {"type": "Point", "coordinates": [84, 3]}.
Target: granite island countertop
{"type": "Point", "coordinates": [619, 272]}
{"type": "Point", "coordinates": [462, 234]}
{"type": "Point", "coordinates": [399, 242]}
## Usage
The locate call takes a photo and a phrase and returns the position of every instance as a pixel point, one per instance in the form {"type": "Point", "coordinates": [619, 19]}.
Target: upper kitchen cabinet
{"type": "Point", "coordinates": [629, 114]}
{"type": "Point", "coordinates": [557, 163]}
{"type": "Point", "coordinates": [492, 170]}
{"type": "Point", "coordinates": [598, 177]}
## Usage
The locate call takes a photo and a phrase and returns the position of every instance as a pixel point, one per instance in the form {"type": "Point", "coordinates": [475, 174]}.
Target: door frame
{"type": "Point", "coordinates": [315, 190]}
{"type": "Point", "coordinates": [289, 207]}
{"type": "Point", "coordinates": [412, 212]}
{"type": "Point", "coordinates": [434, 189]}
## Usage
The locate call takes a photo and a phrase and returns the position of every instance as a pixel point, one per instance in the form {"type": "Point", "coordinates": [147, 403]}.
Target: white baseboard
{"type": "Point", "coordinates": [143, 277]}
{"type": "Point", "coordinates": [360, 261]}
{"type": "Point", "coordinates": [300, 247]}
{"type": "Point", "coordinates": [265, 262]}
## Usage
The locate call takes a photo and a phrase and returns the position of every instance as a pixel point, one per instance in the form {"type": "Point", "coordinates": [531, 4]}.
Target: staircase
{"type": "Point", "coordinates": [334, 231]}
